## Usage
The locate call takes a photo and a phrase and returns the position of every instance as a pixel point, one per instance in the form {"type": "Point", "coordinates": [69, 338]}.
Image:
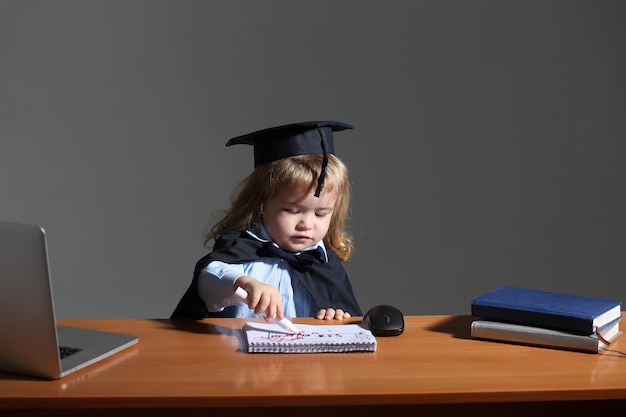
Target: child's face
{"type": "Point", "coordinates": [297, 220]}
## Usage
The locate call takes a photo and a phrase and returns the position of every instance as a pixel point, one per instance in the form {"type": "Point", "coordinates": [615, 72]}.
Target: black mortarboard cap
{"type": "Point", "coordinates": [293, 139]}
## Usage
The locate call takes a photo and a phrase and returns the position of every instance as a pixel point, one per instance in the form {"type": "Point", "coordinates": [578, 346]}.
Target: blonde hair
{"type": "Point", "coordinates": [297, 172]}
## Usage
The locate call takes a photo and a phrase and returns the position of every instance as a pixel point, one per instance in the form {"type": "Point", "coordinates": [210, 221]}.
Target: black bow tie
{"type": "Point", "coordinates": [300, 261]}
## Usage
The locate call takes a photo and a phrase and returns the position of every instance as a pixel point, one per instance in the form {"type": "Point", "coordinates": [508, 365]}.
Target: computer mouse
{"type": "Point", "coordinates": [384, 320]}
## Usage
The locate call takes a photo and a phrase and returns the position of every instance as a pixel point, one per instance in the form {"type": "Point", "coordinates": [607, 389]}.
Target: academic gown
{"type": "Point", "coordinates": [326, 282]}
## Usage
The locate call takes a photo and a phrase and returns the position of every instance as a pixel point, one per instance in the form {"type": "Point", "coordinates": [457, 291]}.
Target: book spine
{"type": "Point", "coordinates": [533, 318]}
{"type": "Point", "coordinates": [535, 337]}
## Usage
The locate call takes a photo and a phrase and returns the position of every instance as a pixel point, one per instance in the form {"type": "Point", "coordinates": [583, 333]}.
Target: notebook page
{"type": "Point", "coordinates": [271, 338]}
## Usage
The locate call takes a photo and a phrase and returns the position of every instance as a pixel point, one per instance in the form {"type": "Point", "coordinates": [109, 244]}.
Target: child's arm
{"type": "Point", "coordinates": [261, 297]}
{"type": "Point", "coordinates": [332, 314]}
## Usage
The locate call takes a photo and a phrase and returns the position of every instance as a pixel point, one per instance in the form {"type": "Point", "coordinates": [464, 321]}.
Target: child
{"type": "Point", "coordinates": [283, 239]}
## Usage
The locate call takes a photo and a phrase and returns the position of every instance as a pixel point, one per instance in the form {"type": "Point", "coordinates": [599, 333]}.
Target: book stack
{"type": "Point", "coordinates": [546, 319]}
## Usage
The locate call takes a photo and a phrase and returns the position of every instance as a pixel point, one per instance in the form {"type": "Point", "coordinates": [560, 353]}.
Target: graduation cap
{"type": "Point", "coordinates": [304, 138]}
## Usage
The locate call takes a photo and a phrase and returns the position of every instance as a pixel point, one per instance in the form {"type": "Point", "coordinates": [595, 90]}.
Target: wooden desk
{"type": "Point", "coordinates": [186, 368]}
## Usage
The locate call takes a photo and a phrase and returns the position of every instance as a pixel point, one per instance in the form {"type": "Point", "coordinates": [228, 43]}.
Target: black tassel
{"type": "Point", "coordinates": [322, 178]}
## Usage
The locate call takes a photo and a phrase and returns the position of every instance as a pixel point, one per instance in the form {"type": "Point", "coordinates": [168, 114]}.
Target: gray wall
{"type": "Point", "coordinates": [488, 146]}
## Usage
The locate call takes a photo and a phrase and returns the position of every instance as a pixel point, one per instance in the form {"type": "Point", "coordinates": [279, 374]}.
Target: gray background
{"type": "Point", "coordinates": [488, 146]}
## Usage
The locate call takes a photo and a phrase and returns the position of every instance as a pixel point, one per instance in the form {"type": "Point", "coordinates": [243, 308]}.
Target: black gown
{"type": "Point", "coordinates": [326, 282]}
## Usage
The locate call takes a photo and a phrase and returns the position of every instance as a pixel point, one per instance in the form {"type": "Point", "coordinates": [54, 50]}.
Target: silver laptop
{"type": "Point", "coordinates": [31, 342]}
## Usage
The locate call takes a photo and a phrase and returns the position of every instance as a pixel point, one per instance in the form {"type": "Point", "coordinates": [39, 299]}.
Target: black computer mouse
{"type": "Point", "coordinates": [384, 320]}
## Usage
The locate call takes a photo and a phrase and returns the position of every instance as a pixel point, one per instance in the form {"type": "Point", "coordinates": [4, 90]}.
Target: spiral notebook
{"type": "Point", "coordinates": [337, 338]}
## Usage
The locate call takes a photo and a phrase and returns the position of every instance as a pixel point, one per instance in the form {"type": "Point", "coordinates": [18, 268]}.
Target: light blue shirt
{"type": "Point", "coordinates": [216, 282]}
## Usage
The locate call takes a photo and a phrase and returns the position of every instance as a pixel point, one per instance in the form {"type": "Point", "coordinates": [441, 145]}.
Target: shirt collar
{"type": "Point", "coordinates": [261, 235]}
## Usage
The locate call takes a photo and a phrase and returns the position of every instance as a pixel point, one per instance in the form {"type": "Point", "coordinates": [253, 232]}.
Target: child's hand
{"type": "Point", "coordinates": [262, 298]}
{"type": "Point", "coordinates": [332, 314]}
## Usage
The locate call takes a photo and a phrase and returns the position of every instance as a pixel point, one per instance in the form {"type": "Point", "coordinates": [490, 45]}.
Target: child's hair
{"type": "Point", "coordinates": [299, 172]}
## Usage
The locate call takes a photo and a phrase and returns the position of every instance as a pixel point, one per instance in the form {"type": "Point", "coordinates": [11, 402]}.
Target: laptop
{"type": "Point", "coordinates": [31, 343]}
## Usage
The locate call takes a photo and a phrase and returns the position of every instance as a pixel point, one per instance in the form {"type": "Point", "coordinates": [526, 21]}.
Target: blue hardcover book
{"type": "Point", "coordinates": [546, 309]}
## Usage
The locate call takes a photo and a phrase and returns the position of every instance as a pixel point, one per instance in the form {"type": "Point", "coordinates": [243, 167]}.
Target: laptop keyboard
{"type": "Point", "coordinates": [66, 351]}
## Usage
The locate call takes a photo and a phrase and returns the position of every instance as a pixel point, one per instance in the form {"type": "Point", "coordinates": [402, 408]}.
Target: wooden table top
{"type": "Point", "coordinates": [203, 364]}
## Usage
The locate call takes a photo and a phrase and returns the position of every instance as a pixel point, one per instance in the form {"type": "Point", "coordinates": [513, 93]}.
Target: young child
{"type": "Point", "coordinates": [283, 239]}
